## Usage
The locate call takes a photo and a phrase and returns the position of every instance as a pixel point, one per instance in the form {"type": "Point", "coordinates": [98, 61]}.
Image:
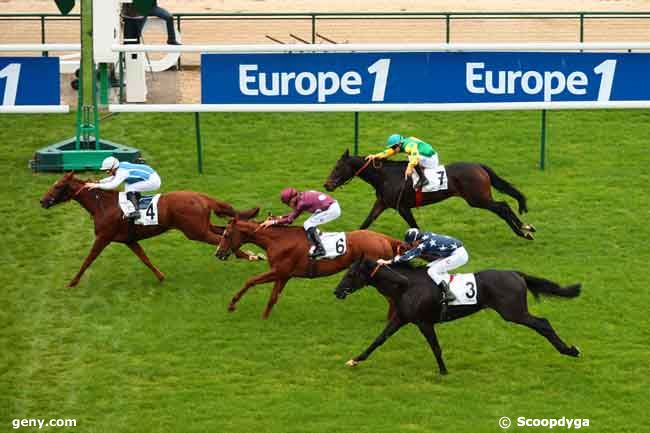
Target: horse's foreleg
{"type": "Point", "coordinates": [137, 249]}
{"type": "Point", "coordinates": [392, 327]}
{"type": "Point", "coordinates": [430, 334]}
{"type": "Point", "coordinates": [376, 210]}
{"type": "Point", "coordinates": [408, 216]}
{"type": "Point", "coordinates": [97, 248]}
{"type": "Point", "coordinates": [277, 289]}
{"type": "Point", "coordinates": [259, 279]}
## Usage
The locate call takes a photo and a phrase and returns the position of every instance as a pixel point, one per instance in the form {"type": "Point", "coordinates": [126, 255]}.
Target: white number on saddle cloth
{"type": "Point", "coordinates": [463, 286]}
{"type": "Point", "coordinates": [335, 244]}
{"type": "Point", "coordinates": [437, 178]}
{"type": "Point", "coordinates": [148, 209]}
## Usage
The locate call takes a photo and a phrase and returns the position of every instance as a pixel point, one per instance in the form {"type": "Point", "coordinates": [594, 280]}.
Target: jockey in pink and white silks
{"type": "Point", "coordinates": [137, 178]}
{"type": "Point", "coordinates": [323, 207]}
{"type": "Point", "coordinates": [451, 252]}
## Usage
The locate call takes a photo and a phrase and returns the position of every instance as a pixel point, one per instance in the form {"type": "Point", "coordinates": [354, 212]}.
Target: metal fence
{"type": "Point", "coordinates": [358, 27]}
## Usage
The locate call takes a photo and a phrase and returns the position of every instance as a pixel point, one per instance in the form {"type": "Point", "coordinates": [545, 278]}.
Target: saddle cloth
{"type": "Point", "coordinates": [148, 208]}
{"type": "Point", "coordinates": [463, 286]}
{"type": "Point", "coordinates": [437, 178]}
{"type": "Point", "coordinates": [335, 244]}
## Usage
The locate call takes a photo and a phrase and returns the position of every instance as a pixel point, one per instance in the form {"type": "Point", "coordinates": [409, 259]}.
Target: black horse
{"type": "Point", "coordinates": [468, 180]}
{"type": "Point", "coordinates": [417, 301]}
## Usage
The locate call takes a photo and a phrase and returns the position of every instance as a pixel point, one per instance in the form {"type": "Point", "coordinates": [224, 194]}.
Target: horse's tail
{"type": "Point", "coordinates": [540, 285]}
{"type": "Point", "coordinates": [222, 209]}
{"type": "Point", "coordinates": [507, 188]}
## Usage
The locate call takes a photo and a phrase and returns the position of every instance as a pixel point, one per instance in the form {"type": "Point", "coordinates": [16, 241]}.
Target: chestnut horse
{"type": "Point", "coordinates": [471, 181]}
{"type": "Point", "coordinates": [287, 251]}
{"type": "Point", "coordinates": [186, 211]}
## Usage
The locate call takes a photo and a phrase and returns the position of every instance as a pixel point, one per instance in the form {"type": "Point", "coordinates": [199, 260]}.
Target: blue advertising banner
{"type": "Point", "coordinates": [423, 77]}
{"type": "Point", "coordinates": [29, 81]}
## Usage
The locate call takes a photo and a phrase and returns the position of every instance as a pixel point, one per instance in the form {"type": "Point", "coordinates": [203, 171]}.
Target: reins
{"type": "Point", "coordinates": [363, 167]}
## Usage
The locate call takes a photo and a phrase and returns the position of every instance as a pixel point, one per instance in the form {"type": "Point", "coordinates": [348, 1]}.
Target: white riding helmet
{"type": "Point", "coordinates": [109, 163]}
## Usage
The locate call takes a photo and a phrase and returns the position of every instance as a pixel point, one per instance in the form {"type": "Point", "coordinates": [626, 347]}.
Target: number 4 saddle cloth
{"type": "Point", "coordinates": [148, 208]}
{"type": "Point", "coordinates": [335, 244]}
{"type": "Point", "coordinates": [464, 288]}
{"type": "Point", "coordinates": [437, 178]}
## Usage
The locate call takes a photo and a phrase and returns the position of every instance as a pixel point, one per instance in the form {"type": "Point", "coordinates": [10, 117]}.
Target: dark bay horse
{"type": "Point", "coordinates": [470, 181]}
{"type": "Point", "coordinates": [287, 253]}
{"type": "Point", "coordinates": [416, 301]}
{"type": "Point", "coordinates": [186, 211]}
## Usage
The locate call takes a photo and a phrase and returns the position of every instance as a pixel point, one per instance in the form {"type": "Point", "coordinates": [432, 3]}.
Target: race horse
{"type": "Point", "coordinates": [287, 250]}
{"type": "Point", "coordinates": [416, 300]}
{"type": "Point", "coordinates": [186, 211]}
{"type": "Point", "coordinates": [470, 181]}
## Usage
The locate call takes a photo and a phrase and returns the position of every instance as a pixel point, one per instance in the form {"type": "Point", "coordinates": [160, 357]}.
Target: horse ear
{"type": "Point", "coordinates": [346, 154]}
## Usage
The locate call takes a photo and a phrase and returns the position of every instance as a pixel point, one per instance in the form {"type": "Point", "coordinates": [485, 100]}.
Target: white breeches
{"type": "Point", "coordinates": [329, 214]}
{"type": "Point", "coordinates": [438, 269]}
{"type": "Point", "coordinates": [429, 161]}
{"type": "Point", "coordinates": [151, 184]}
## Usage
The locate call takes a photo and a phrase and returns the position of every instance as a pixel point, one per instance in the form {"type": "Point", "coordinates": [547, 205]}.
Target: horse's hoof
{"type": "Point", "coordinates": [231, 307]}
{"type": "Point", "coordinates": [574, 351]}
{"type": "Point", "coordinates": [529, 236]}
{"type": "Point", "coordinates": [161, 277]}
{"type": "Point", "coordinates": [444, 372]}
{"type": "Point", "coordinates": [529, 228]}
{"type": "Point", "coordinates": [352, 363]}
{"type": "Point", "coordinates": [71, 284]}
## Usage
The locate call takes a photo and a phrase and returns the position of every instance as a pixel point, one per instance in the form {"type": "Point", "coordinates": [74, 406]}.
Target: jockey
{"type": "Point", "coordinates": [421, 155]}
{"type": "Point", "coordinates": [451, 252]}
{"type": "Point", "coordinates": [138, 178]}
{"type": "Point", "coordinates": [323, 207]}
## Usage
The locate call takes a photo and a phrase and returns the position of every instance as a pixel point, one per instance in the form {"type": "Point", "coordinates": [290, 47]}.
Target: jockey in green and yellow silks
{"type": "Point", "coordinates": [420, 153]}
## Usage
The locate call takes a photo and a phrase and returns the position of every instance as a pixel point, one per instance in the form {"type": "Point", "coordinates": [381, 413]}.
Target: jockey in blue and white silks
{"type": "Point", "coordinates": [451, 252]}
{"type": "Point", "coordinates": [137, 178]}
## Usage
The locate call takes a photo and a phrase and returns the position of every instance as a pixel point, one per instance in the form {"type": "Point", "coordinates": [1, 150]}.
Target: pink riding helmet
{"type": "Point", "coordinates": [287, 194]}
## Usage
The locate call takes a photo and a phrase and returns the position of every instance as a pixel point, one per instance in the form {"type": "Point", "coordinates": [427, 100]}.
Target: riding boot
{"type": "Point", "coordinates": [422, 180]}
{"type": "Point", "coordinates": [319, 250]}
{"type": "Point", "coordinates": [134, 197]}
{"type": "Point", "coordinates": [447, 295]}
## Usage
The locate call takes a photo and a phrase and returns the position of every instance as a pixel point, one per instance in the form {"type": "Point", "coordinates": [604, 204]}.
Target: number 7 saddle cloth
{"type": "Point", "coordinates": [437, 178]}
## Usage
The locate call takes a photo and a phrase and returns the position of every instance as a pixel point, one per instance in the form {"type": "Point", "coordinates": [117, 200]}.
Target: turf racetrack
{"type": "Point", "coordinates": [123, 353]}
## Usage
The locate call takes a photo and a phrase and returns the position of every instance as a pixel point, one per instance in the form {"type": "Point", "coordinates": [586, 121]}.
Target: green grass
{"type": "Point", "coordinates": [123, 353]}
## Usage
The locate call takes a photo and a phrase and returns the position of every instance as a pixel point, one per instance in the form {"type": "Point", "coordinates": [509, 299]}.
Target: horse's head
{"type": "Point", "coordinates": [63, 190]}
{"type": "Point", "coordinates": [343, 171]}
{"type": "Point", "coordinates": [355, 278]}
{"type": "Point", "coordinates": [231, 240]}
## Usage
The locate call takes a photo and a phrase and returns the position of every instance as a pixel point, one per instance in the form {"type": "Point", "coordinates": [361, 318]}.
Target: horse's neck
{"type": "Point", "coordinates": [264, 238]}
{"type": "Point", "coordinates": [388, 285]}
{"type": "Point", "coordinates": [91, 200]}
{"type": "Point", "coordinates": [373, 176]}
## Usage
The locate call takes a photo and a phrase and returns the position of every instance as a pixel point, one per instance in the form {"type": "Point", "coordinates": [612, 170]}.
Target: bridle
{"type": "Point", "coordinates": [363, 167]}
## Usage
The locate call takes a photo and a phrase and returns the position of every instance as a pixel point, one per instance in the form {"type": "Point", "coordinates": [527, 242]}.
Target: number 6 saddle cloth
{"type": "Point", "coordinates": [464, 288]}
{"type": "Point", "coordinates": [437, 178]}
{"type": "Point", "coordinates": [335, 244]}
{"type": "Point", "coordinates": [148, 208]}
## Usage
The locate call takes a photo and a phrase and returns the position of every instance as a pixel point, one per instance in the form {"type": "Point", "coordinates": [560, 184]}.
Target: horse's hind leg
{"type": "Point", "coordinates": [430, 334]}
{"type": "Point", "coordinates": [137, 249]}
{"type": "Point", "coordinates": [504, 211]}
{"type": "Point", "coordinates": [543, 327]}
{"type": "Point", "coordinates": [97, 248]}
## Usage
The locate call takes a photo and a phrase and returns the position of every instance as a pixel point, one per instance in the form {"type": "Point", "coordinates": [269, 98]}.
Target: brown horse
{"type": "Point", "coordinates": [186, 211]}
{"type": "Point", "coordinates": [471, 181]}
{"type": "Point", "coordinates": [287, 251]}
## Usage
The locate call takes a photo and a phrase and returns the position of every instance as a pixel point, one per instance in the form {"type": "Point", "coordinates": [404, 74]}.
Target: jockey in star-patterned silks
{"type": "Point", "coordinates": [421, 155]}
{"type": "Point", "coordinates": [451, 252]}
{"type": "Point", "coordinates": [137, 177]}
{"type": "Point", "coordinates": [323, 207]}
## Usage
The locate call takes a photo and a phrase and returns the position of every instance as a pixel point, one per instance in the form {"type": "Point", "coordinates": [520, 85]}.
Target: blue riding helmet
{"type": "Point", "coordinates": [393, 140]}
{"type": "Point", "coordinates": [412, 235]}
